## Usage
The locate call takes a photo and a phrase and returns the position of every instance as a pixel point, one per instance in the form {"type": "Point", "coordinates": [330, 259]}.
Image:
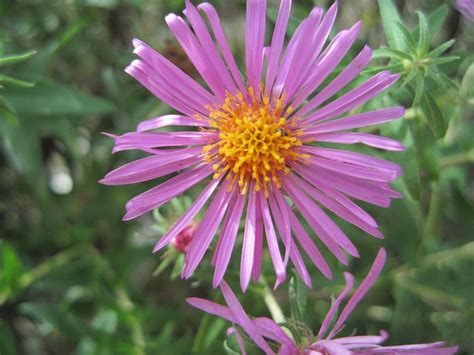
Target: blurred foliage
{"type": "Point", "coordinates": [75, 279]}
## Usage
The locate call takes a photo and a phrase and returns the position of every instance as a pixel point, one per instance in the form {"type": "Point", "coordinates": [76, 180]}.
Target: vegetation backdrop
{"type": "Point", "coordinates": [75, 279]}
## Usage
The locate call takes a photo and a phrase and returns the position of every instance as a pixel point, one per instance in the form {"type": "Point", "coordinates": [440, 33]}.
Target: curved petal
{"type": "Point", "coordinates": [271, 330]}
{"type": "Point", "coordinates": [180, 82]}
{"type": "Point", "coordinates": [142, 72]}
{"type": "Point", "coordinates": [206, 230]}
{"type": "Point", "coordinates": [153, 167]}
{"type": "Point", "coordinates": [227, 237]}
{"type": "Point", "coordinates": [293, 253]}
{"type": "Point", "coordinates": [353, 158]}
{"type": "Point", "coordinates": [326, 224]}
{"type": "Point", "coordinates": [356, 121]}
{"type": "Point", "coordinates": [207, 43]}
{"type": "Point", "coordinates": [301, 39]}
{"type": "Point", "coordinates": [353, 98]}
{"type": "Point", "coordinates": [366, 284]}
{"type": "Point", "coordinates": [354, 341]}
{"type": "Point", "coordinates": [216, 25]}
{"type": "Point", "coordinates": [309, 247]}
{"type": "Point", "coordinates": [240, 341]}
{"type": "Point", "coordinates": [305, 207]}
{"type": "Point", "coordinates": [139, 140]}
{"type": "Point", "coordinates": [243, 319]}
{"type": "Point", "coordinates": [342, 207]}
{"type": "Point", "coordinates": [370, 140]}
{"type": "Point", "coordinates": [170, 120]}
{"type": "Point", "coordinates": [330, 347]}
{"type": "Point", "coordinates": [304, 49]}
{"type": "Point", "coordinates": [188, 216]}
{"type": "Point", "coordinates": [196, 54]}
{"type": "Point", "coordinates": [329, 60]}
{"type": "Point", "coordinates": [164, 192]}
{"type": "Point", "coordinates": [376, 193]}
{"type": "Point", "coordinates": [272, 240]}
{"type": "Point", "coordinates": [277, 43]}
{"type": "Point", "coordinates": [335, 305]}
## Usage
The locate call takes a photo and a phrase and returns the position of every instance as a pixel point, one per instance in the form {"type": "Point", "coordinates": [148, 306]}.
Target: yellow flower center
{"type": "Point", "coordinates": [256, 140]}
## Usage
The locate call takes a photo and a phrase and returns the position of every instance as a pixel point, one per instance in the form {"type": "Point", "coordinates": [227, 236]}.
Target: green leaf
{"type": "Point", "coordinates": [52, 98]}
{"type": "Point", "coordinates": [467, 89]}
{"type": "Point", "coordinates": [407, 37]}
{"type": "Point", "coordinates": [437, 18]}
{"type": "Point", "coordinates": [442, 79]}
{"type": "Point", "coordinates": [16, 58]}
{"type": "Point", "coordinates": [433, 114]}
{"type": "Point", "coordinates": [7, 112]}
{"type": "Point", "coordinates": [440, 282]}
{"type": "Point", "coordinates": [419, 87]}
{"type": "Point", "coordinates": [426, 148]}
{"type": "Point", "coordinates": [10, 271]}
{"type": "Point", "coordinates": [390, 18]}
{"type": "Point", "coordinates": [209, 329]}
{"type": "Point", "coordinates": [16, 82]}
{"type": "Point", "coordinates": [424, 34]}
{"type": "Point", "coordinates": [229, 350]}
{"type": "Point", "coordinates": [409, 78]}
{"type": "Point", "coordinates": [444, 60]}
{"type": "Point", "coordinates": [298, 298]}
{"type": "Point", "coordinates": [441, 49]}
{"type": "Point", "coordinates": [411, 173]}
{"type": "Point", "coordinates": [22, 147]}
{"type": "Point", "coordinates": [395, 68]}
{"type": "Point", "coordinates": [391, 53]}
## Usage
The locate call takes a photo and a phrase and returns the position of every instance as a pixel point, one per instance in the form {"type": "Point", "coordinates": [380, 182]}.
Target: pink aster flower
{"type": "Point", "coordinates": [262, 329]}
{"type": "Point", "coordinates": [257, 146]}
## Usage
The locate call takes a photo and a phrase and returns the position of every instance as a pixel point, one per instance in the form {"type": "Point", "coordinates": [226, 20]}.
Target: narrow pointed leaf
{"type": "Point", "coordinates": [441, 49]}
{"type": "Point", "coordinates": [390, 18]}
{"type": "Point", "coordinates": [11, 59]}
{"type": "Point", "coordinates": [433, 114]}
{"type": "Point", "coordinates": [424, 34]}
{"type": "Point", "coordinates": [298, 298]}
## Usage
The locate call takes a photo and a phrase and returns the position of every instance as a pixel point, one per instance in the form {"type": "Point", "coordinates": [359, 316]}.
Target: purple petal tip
{"type": "Point", "coordinates": [137, 42]}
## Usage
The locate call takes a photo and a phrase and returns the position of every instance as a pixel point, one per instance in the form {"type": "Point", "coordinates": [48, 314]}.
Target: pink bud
{"type": "Point", "coordinates": [182, 240]}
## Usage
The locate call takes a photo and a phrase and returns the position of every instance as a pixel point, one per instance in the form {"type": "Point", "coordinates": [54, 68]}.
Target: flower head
{"type": "Point", "coordinates": [259, 140]}
{"type": "Point", "coordinates": [325, 343]}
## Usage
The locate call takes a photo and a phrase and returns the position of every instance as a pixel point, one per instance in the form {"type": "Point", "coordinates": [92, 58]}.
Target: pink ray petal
{"type": "Point", "coordinates": [366, 284]}
{"type": "Point", "coordinates": [254, 38]}
{"type": "Point", "coordinates": [248, 244]}
{"type": "Point", "coordinates": [272, 240]}
{"type": "Point", "coordinates": [216, 25]}
{"type": "Point", "coordinates": [188, 216]}
{"type": "Point", "coordinates": [170, 120]}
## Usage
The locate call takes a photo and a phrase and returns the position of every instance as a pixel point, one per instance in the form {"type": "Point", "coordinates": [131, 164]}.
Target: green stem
{"type": "Point", "coordinates": [458, 159]}
{"type": "Point", "coordinates": [54, 262]}
{"type": "Point", "coordinates": [272, 304]}
{"type": "Point", "coordinates": [126, 305]}
{"type": "Point", "coordinates": [431, 219]}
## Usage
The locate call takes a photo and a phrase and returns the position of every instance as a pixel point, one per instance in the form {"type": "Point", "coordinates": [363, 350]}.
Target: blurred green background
{"type": "Point", "coordinates": [74, 279]}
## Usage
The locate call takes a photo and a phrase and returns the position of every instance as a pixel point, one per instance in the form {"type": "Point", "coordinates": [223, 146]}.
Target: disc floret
{"type": "Point", "coordinates": [256, 140]}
